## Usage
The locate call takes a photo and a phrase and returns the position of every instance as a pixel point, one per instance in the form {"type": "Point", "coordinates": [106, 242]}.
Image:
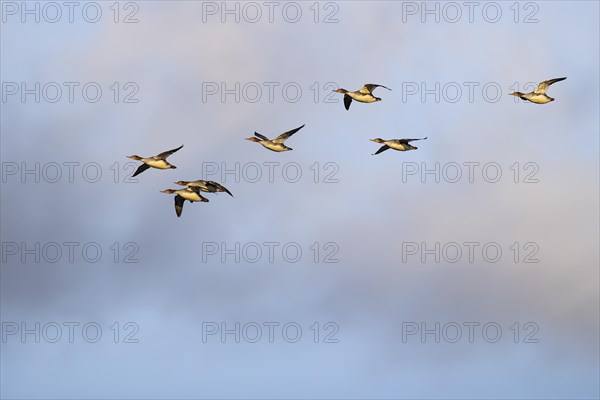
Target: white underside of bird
{"type": "Point", "coordinates": [274, 146]}
{"type": "Point", "coordinates": [362, 97]}
{"type": "Point", "coordinates": [392, 144]}
{"type": "Point", "coordinates": [537, 98]}
{"type": "Point", "coordinates": [189, 194]}
{"type": "Point", "coordinates": [154, 163]}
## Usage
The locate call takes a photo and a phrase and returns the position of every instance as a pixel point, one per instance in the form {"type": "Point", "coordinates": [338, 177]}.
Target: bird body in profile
{"type": "Point", "coordinates": [205, 186]}
{"type": "Point", "coordinates": [363, 95]}
{"type": "Point", "coordinates": [539, 96]}
{"type": "Point", "coordinates": [190, 194]}
{"type": "Point", "coordinates": [276, 144]}
{"type": "Point", "coordinates": [158, 161]}
{"type": "Point", "coordinates": [396, 144]}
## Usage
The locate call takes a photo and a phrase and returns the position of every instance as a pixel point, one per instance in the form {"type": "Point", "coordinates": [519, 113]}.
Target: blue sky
{"type": "Point", "coordinates": [362, 211]}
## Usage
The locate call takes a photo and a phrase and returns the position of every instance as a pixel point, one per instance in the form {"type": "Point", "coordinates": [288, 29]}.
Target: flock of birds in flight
{"type": "Point", "coordinates": [192, 189]}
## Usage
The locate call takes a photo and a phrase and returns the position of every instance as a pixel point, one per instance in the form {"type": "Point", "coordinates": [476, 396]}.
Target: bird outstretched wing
{"type": "Point", "coordinates": [369, 87]}
{"type": "Point", "coordinates": [281, 138]}
{"type": "Point", "coordinates": [140, 169]}
{"type": "Point", "coordinates": [179, 205]}
{"type": "Point", "coordinates": [166, 154]}
{"type": "Point", "coordinates": [220, 187]}
{"type": "Point", "coordinates": [406, 141]}
{"type": "Point", "coordinates": [543, 86]}
{"type": "Point", "coordinates": [347, 101]}
{"type": "Point", "coordinates": [382, 149]}
{"type": "Point", "coordinates": [258, 135]}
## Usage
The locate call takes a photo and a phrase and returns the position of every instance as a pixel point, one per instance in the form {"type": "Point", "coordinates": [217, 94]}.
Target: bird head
{"type": "Point", "coordinates": [134, 157]}
{"type": "Point", "coordinates": [253, 139]}
{"type": "Point", "coordinates": [376, 140]}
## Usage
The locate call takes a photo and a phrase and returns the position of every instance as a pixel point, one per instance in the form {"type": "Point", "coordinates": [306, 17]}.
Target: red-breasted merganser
{"type": "Point", "coordinates": [159, 161]}
{"type": "Point", "coordinates": [396, 144]}
{"type": "Point", "coordinates": [181, 195]}
{"type": "Point", "coordinates": [364, 95]}
{"type": "Point", "coordinates": [538, 96]}
{"type": "Point", "coordinates": [275, 144]}
{"type": "Point", "coordinates": [205, 186]}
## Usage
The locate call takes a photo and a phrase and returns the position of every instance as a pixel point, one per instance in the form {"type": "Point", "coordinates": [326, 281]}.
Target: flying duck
{"type": "Point", "coordinates": [275, 144]}
{"type": "Point", "coordinates": [205, 186]}
{"type": "Point", "coordinates": [396, 144]}
{"type": "Point", "coordinates": [159, 161]}
{"type": "Point", "coordinates": [181, 195]}
{"type": "Point", "coordinates": [538, 96]}
{"type": "Point", "coordinates": [364, 95]}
